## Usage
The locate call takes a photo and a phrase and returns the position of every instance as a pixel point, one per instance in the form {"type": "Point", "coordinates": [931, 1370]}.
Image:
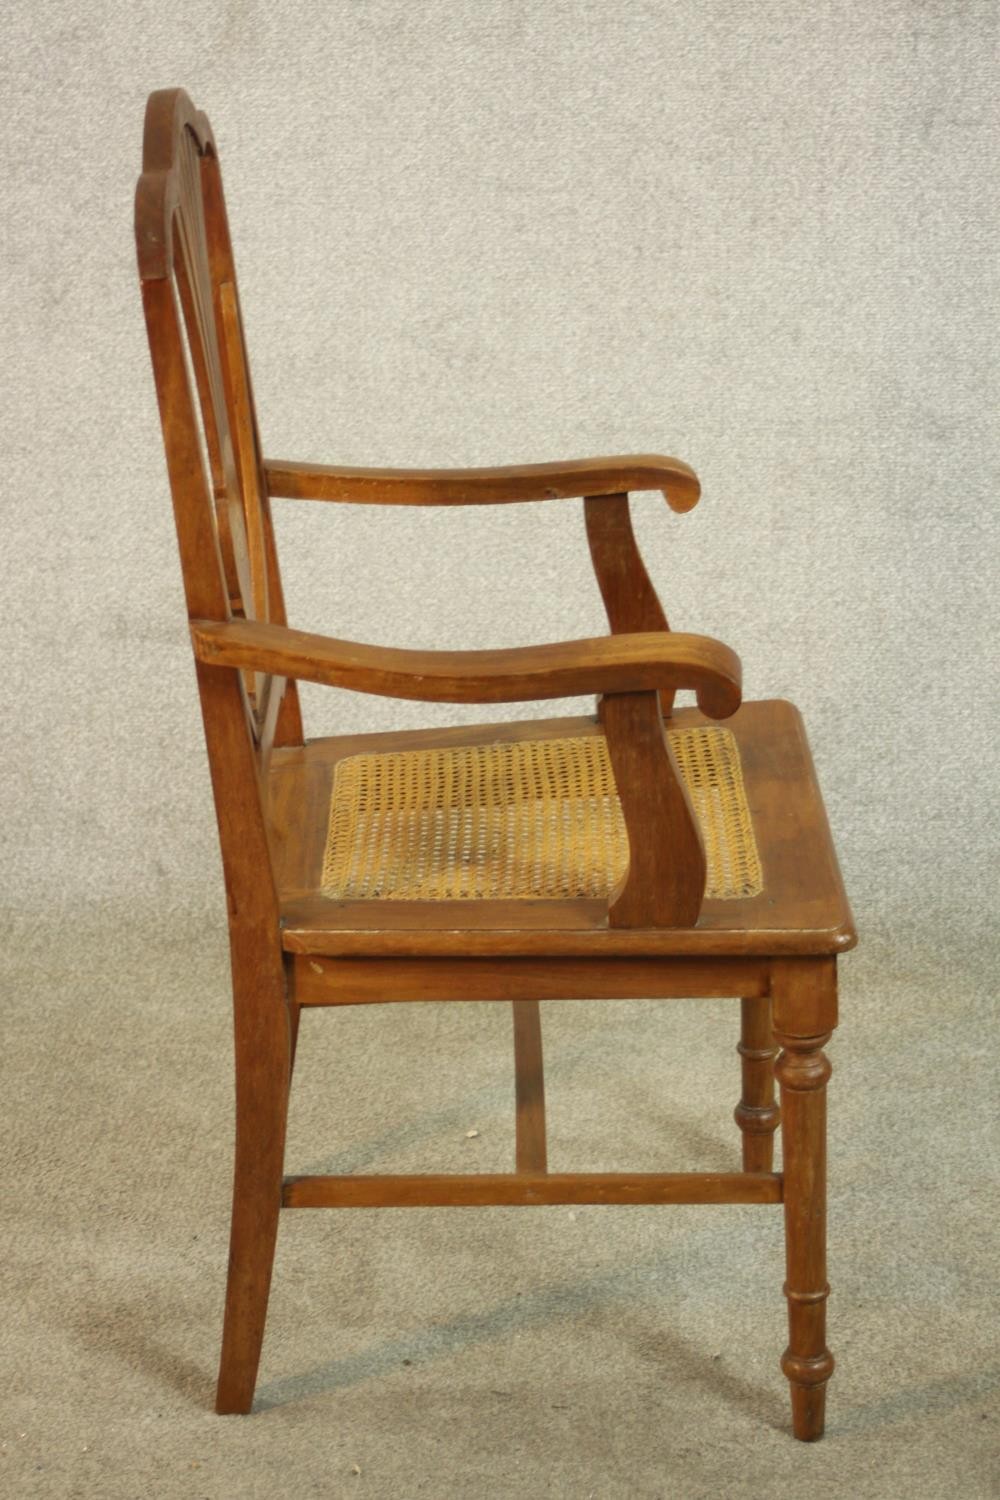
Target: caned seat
{"type": "Point", "coordinates": [773, 883]}
{"type": "Point", "coordinates": [529, 818]}
{"type": "Point", "coordinates": [643, 851]}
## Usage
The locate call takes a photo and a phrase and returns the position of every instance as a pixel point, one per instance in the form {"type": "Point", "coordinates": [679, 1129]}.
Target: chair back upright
{"type": "Point", "coordinates": [224, 528]}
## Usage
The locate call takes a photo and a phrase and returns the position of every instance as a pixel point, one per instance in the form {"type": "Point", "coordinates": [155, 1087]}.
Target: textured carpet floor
{"type": "Point", "coordinates": [605, 1352]}
{"type": "Point", "coordinates": [761, 237]}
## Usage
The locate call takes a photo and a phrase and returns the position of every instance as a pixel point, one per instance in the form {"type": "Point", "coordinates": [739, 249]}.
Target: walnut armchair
{"type": "Point", "coordinates": [641, 852]}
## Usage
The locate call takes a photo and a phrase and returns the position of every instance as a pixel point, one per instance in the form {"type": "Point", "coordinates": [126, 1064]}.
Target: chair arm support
{"type": "Point", "coordinates": [605, 664]}
{"type": "Point", "coordinates": [664, 885]}
{"type": "Point", "coordinates": [554, 481]}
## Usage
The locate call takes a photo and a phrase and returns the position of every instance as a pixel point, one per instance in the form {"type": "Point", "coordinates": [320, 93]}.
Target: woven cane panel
{"type": "Point", "coordinates": [535, 818]}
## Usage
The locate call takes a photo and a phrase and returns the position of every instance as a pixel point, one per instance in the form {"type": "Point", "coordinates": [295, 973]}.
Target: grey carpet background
{"type": "Point", "coordinates": [763, 238]}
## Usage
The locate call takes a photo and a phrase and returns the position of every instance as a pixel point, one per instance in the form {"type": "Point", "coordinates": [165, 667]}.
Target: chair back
{"type": "Point", "coordinates": [195, 327]}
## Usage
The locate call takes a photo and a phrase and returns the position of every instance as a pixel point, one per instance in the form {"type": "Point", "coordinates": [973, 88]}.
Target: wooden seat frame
{"type": "Point", "coordinates": [656, 937]}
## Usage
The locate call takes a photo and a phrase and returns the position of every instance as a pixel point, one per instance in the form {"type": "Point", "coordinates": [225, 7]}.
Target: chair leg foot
{"type": "Point", "coordinates": [808, 1411]}
{"type": "Point", "coordinates": [256, 1206]}
{"type": "Point", "coordinates": [261, 1114]}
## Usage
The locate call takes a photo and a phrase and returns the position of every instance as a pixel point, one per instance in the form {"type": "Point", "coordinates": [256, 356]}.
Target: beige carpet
{"type": "Point", "coordinates": [763, 238]}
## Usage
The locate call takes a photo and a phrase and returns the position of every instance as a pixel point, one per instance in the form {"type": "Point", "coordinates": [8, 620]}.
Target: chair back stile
{"type": "Point", "coordinates": [192, 303]}
{"type": "Point", "coordinates": [226, 536]}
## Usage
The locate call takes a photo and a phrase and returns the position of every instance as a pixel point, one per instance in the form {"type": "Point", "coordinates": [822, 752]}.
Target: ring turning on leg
{"type": "Point", "coordinates": [757, 1114]}
{"type": "Point", "coordinates": [802, 1071]}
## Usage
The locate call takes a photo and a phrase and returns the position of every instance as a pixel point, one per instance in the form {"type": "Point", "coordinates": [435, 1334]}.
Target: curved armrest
{"type": "Point", "coordinates": [560, 481]}
{"type": "Point", "coordinates": [605, 664]}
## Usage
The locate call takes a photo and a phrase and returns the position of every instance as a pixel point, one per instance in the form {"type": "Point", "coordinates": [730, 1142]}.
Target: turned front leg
{"type": "Point", "coordinates": [805, 1001]}
{"type": "Point", "coordinates": [757, 1114]}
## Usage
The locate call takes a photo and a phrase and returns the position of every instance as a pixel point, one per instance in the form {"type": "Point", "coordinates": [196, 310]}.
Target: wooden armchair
{"type": "Point", "coordinates": [641, 852]}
